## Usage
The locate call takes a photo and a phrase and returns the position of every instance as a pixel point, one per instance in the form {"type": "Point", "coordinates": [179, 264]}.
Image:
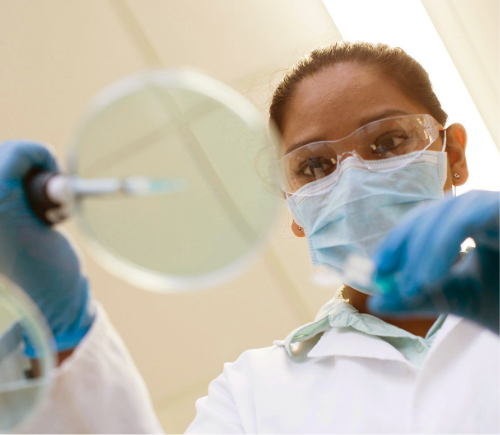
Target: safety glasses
{"type": "Point", "coordinates": [376, 141]}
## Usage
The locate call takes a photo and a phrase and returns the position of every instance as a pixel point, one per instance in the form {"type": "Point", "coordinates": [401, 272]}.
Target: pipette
{"type": "Point", "coordinates": [52, 196]}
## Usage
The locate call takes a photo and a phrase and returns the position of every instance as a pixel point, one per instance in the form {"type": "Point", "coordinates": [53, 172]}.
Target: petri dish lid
{"type": "Point", "coordinates": [24, 383]}
{"type": "Point", "coordinates": [210, 142]}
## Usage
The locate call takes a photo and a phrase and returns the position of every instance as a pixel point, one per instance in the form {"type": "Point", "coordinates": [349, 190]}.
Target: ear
{"type": "Point", "coordinates": [298, 232]}
{"type": "Point", "coordinates": [456, 142]}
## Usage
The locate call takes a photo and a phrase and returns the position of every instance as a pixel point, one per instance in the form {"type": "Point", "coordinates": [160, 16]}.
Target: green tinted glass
{"type": "Point", "coordinates": [20, 392]}
{"type": "Point", "coordinates": [191, 129]}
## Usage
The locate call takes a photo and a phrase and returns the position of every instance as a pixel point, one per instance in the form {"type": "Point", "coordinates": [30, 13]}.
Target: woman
{"type": "Point", "coordinates": [320, 108]}
{"type": "Point", "coordinates": [346, 187]}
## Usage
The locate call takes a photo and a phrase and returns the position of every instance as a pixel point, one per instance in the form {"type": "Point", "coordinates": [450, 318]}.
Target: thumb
{"type": "Point", "coordinates": [18, 157]}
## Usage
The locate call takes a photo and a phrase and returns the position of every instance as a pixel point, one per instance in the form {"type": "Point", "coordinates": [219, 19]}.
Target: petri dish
{"type": "Point", "coordinates": [213, 144]}
{"type": "Point", "coordinates": [24, 383]}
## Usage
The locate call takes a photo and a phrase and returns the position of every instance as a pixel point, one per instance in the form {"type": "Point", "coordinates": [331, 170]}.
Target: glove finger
{"type": "Point", "coordinates": [420, 305]}
{"type": "Point", "coordinates": [429, 243]}
{"type": "Point", "coordinates": [441, 234]}
{"type": "Point", "coordinates": [460, 293]}
{"type": "Point", "coordinates": [468, 215]}
{"type": "Point", "coordinates": [463, 216]}
{"type": "Point", "coordinates": [17, 158]}
{"type": "Point", "coordinates": [453, 294]}
{"type": "Point", "coordinates": [430, 252]}
{"type": "Point", "coordinates": [388, 256]}
{"type": "Point", "coordinates": [400, 242]}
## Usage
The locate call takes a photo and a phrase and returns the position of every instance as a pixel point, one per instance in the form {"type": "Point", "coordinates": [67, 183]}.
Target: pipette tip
{"type": "Point", "coordinates": [153, 186]}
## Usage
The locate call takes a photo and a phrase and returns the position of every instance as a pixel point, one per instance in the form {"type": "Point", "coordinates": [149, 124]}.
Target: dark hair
{"type": "Point", "coordinates": [409, 75]}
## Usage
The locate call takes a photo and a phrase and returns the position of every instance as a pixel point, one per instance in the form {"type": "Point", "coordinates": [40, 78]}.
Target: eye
{"type": "Point", "coordinates": [317, 167]}
{"type": "Point", "coordinates": [388, 142]}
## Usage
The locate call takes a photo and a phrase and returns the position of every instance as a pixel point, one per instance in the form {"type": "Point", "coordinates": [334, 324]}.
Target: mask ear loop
{"type": "Point", "coordinates": [453, 188]}
{"type": "Point", "coordinates": [444, 141]}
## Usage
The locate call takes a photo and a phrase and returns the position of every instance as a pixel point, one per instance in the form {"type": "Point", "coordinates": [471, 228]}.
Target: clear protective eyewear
{"type": "Point", "coordinates": [373, 142]}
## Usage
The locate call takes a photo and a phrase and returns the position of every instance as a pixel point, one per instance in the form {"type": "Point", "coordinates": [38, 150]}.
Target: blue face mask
{"type": "Point", "coordinates": [352, 210]}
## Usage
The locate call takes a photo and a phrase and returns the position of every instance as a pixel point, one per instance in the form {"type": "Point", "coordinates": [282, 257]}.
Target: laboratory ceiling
{"type": "Point", "coordinates": [56, 54]}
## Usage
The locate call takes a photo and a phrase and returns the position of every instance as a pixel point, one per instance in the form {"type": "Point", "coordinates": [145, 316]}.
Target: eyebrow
{"type": "Point", "coordinates": [382, 115]}
{"type": "Point", "coordinates": [385, 114]}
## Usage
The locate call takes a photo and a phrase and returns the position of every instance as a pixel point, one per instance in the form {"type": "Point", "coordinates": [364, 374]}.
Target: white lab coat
{"type": "Point", "coordinates": [349, 382]}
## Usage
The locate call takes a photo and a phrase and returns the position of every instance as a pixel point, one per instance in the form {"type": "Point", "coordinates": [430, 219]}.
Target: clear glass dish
{"type": "Point", "coordinates": [24, 383]}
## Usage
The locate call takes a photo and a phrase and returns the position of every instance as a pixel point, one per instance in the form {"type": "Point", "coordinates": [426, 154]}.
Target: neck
{"type": "Point", "coordinates": [416, 326]}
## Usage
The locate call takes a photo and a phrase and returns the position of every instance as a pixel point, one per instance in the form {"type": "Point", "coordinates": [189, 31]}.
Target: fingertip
{"type": "Point", "coordinates": [39, 155]}
{"type": "Point", "coordinates": [385, 261]}
{"type": "Point", "coordinates": [387, 256]}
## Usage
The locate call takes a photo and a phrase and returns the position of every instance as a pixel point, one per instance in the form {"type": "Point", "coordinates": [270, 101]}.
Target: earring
{"type": "Point", "coordinates": [300, 228]}
{"type": "Point", "coordinates": [456, 176]}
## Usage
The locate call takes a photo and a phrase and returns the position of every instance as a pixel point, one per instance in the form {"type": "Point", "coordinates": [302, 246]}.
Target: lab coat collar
{"type": "Point", "coordinates": [346, 332]}
{"type": "Point", "coordinates": [354, 343]}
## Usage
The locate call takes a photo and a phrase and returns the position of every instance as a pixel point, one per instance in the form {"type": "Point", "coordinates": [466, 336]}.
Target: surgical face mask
{"type": "Point", "coordinates": [353, 208]}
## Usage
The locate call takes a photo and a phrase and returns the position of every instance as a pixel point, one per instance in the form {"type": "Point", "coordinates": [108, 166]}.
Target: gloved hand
{"type": "Point", "coordinates": [421, 257]}
{"type": "Point", "coordinates": [34, 256]}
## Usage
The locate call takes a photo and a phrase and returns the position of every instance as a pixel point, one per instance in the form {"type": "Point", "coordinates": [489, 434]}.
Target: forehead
{"type": "Point", "coordinates": [333, 103]}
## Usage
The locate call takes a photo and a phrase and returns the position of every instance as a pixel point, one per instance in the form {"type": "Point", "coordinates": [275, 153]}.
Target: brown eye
{"type": "Point", "coordinates": [317, 167]}
{"type": "Point", "coordinates": [388, 142]}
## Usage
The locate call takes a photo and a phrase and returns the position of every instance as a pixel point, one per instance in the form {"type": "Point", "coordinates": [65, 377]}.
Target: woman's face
{"type": "Point", "coordinates": [338, 100]}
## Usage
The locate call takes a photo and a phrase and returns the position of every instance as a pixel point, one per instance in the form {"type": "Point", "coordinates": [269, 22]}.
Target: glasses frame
{"type": "Point", "coordinates": [431, 125]}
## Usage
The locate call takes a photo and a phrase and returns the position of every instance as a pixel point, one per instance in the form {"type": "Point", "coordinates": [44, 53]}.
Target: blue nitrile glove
{"type": "Point", "coordinates": [422, 257]}
{"type": "Point", "coordinates": [37, 258]}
